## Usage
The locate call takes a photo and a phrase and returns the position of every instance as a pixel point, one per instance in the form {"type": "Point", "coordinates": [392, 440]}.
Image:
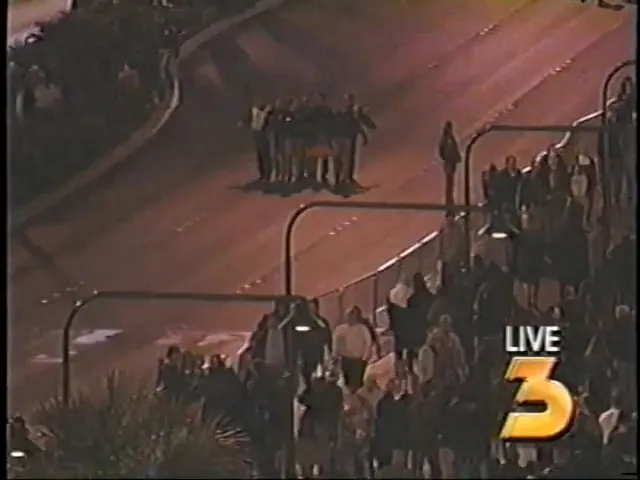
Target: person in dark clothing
{"type": "Point", "coordinates": [530, 254]}
{"type": "Point", "coordinates": [488, 313]}
{"type": "Point", "coordinates": [19, 438]}
{"type": "Point", "coordinates": [391, 426]}
{"type": "Point", "coordinates": [419, 304]}
{"type": "Point", "coordinates": [471, 444]}
{"type": "Point", "coordinates": [622, 260]}
{"type": "Point", "coordinates": [302, 132]}
{"type": "Point", "coordinates": [377, 348]}
{"type": "Point", "coordinates": [320, 117]}
{"type": "Point", "coordinates": [295, 132]}
{"type": "Point", "coordinates": [525, 195]}
{"type": "Point", "coordinates": [490, 187]}
{"type": "Point", "coordinates": [313, 344]}
{"type": "Point", "coordinates": [571, 248]}
{"type": "Point", "coordinates": [477, 274]}
{"type": "Point", "coordinates": [559, 180]}
{"type": "Point", "coordinates": [276, 131]}
{"type": "Point", "coordinates": [510, 178]}
{"type": "Point", "coordinates": [425, 417]}
{"type": "Point", "coordinates": [318, 428]}
{"type": "Point", "coordinates": [224, 394]}
{"type": "Point", "coordinates": [403, 325]}
{"type": "Point", "coordinates": [449, 154]}
{"type": "Point", "coordinates": [540, 179]}
{"type": "Point", "coordinates": [349, 124]}
{"type": "Point", "coordinates": [171, 379]}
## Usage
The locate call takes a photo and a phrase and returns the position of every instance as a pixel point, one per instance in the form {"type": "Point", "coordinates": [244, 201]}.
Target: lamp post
{"type": "Point", "coordinates": [288, 279]}
{"type": "Point", "coordinates": [287, 261]}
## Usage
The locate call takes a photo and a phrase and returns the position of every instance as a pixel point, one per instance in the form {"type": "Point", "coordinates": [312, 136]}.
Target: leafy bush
{"type": "Point", "coordinates": [134, 433]}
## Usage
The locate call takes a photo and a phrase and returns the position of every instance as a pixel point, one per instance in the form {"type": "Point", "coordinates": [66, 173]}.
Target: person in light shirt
{"type": "Point", "coordinates": [353, 345]}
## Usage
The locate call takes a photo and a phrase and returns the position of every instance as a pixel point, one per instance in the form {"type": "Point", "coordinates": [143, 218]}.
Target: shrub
{"type": "Point", "coordinates": [134, 433]}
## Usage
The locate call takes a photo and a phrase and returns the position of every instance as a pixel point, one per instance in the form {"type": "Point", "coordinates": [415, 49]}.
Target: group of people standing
{"type": "Point", "coordinates": [306, 140]}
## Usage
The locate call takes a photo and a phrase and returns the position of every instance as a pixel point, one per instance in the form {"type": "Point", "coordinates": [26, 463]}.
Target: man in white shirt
{"type": "Point", "coordinates": [257, 120]}
{"type": "Point", "coordinates": [353, 346]}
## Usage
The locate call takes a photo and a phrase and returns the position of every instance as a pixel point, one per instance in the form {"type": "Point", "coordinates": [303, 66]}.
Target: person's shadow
{"type": "Point", "coordinates": [616, 7]}
{"type": "Point", "coordinates": [287, 189]}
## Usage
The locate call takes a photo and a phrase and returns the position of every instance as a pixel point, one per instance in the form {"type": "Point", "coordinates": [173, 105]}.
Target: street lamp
{"type": "Point", "coordinates": [288, 280]}
{"type": "Point", "coordinates": [299, 321]}
{"type": "Point", "coordinates": [498, 226]}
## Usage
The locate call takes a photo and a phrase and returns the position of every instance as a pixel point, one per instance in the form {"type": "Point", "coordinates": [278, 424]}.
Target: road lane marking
{"type": "Point", "coordinates": [224, 337]}
{"type": "Point", "coordinates": [96, 336]}
{"type": "Point", "coordinates": [49, 359]}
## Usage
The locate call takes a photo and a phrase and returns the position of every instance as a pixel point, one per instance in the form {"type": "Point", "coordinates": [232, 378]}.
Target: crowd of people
{"type": "Point", "coordinates": [439, 413]}
{"type": "Point", "coordinates": [438, 416]}
{"type": "Point", "coordinates": [305, 140]}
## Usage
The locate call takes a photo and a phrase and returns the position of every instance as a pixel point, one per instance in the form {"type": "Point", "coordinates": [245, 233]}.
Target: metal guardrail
{"type": "Point", "coordinates": [370, 291]}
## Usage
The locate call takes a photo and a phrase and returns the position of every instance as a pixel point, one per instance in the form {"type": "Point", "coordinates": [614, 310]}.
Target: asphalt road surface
{"type": "Point", "coordinates": [180, 217]}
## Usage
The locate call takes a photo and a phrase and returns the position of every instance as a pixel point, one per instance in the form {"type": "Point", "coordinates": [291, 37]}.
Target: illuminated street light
{"type": "Point", "coordinates": [498, 227]}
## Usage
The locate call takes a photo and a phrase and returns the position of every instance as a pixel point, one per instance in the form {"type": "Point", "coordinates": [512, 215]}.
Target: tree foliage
{"type": "Point", "coordinates": [129, 433]}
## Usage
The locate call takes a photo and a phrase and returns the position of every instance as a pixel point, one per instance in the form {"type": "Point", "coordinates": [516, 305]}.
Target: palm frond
{"type": "Point", "coordinates": [126, 433]}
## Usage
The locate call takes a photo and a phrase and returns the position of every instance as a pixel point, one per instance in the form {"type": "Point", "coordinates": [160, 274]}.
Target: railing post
{"type": "Point", "coordinates": [374, 300]}
{"type": "Point", "coordinates": [66, 349]}
{"type": "Point", "coordinates": [467, 192]}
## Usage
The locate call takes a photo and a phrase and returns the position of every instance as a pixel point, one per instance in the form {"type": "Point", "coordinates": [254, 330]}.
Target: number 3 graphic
{"type": "Point", "coordinates": [537, 387]}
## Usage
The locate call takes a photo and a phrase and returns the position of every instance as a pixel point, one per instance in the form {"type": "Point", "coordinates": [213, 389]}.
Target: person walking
{"type": "Point", "coordinates": [583, 181]}
{"type": "Point", "coordinates": [257, 122]}
{"type": "Point", "coordinates": [451, 250]}
{"type": "Point", "coordinates": [403, 327]}
{"type": "Point", "coordinates": [450, 156]}
{"type": "Point", "coordinates": [352, 123]}
{"type": "Point", "coordinates": [275, 129]}
{"type": "Point", "coordinates": [320, 146]}
{"type": "Point", "coordinates": [314, 345]}
{"type": "Point", "coordinates": [353, 345]}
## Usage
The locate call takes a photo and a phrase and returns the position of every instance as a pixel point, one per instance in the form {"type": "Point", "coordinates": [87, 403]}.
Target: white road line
{"type": "Point", "coordinates": [96, 336]}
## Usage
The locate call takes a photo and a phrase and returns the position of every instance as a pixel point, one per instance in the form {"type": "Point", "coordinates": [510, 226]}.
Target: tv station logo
{"type": "Point", "coordinates": [535, 352]}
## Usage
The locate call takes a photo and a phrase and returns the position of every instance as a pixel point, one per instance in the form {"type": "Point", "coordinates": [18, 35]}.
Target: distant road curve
{"type": "Point", "coordinates": [23, 16]}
